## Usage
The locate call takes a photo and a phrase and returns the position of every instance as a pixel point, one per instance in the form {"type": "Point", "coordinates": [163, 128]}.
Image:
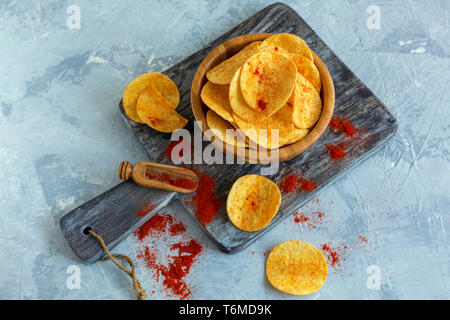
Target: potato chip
{"type": "Point", "coordinates": [289, 42]}
{"type": "Point", "coordinates": [157, 112]}
{"type": "Point", "coordinates": [296, 135]}
{"type": "Point", "coordinates": [306, 104]}
{"type": "Point", "coordinates": [167, 87]}
{"type": "Point", "coordinates": [296, 267]}
{"type": "Point", "coordinates": [308, 69]}
{"type": "Point", "coordinates": [219, 126]}
{"type": "Point", "coordinates": [252, 202]}
{"type": "Point", "coordinates": [267, 81]}
{"type": "Point", "coordinates": [223, 72]}
{"type": "Point", "coordinates": [161, 82]}
{"type": "Point", "coordinates": [263, 132]}
{"type": "Point", "coordinates": [215, 96]}
{"type": "Point", "coordinates": [238, 104]}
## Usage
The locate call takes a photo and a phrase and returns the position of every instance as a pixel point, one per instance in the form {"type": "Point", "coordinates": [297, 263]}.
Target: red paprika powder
{"type": "Point", "coordinates": [168, 152]}
{"type": "Point", "coordinates": [335, 255]}
{"type": "Point", "coordinates": [294, 182]}
{"type": "Point", "coordinates": [345, 126]}
{"type": "Point", "coordinates": [178, 266]}
{"type": "Point", "coordinates": [204, 202]}
{"type": "Point", "coordinates": [181, 183]}
{"type": "Point", "coordinates": [148, 207]}
{"type": "Point", "coordinates": [336, 152]}
{"type": "Point", "coordinates": [155, 225]}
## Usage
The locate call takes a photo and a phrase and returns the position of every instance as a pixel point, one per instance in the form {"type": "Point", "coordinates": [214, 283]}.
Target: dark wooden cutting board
{"type": "Point", "coordinates": [113, 214]}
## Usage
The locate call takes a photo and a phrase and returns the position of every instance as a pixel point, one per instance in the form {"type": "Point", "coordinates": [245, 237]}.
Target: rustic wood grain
{"type": "Point", "coordinates": [114, 215]}
{"type": "Point", "coordinates": [114, 212]}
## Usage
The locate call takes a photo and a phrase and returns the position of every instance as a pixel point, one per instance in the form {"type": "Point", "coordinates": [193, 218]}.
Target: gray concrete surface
{"type": "Point", "coordinates": [62, 137]}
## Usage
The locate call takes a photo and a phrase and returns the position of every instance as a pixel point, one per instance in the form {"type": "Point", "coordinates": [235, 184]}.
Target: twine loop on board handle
{"type": "Point", "coordinates": [137, 286]}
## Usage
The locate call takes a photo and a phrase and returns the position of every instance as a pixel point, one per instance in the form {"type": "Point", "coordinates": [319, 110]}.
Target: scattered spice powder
{"type": "Point", "coordinates": [306, 185]}
{"type": "Point", "coordinates": [299, 217]}
{"type": "Point", "coordinates": [256, 72]}
{"type": "Point", "coordinates": [351, 135]}
{"type": "Point", "coordinates": [148, 207]}
{"type": "Point", "coordinates": [262, 104]}
{"type": "Point", "coordinates": [309, 219]}
{"type": "Point", "coordinates": [336, 152]}
{"type": "Point", "coordinates": [155, 225]}
{"type": "Point", "coordinates": [345, 126]}
{"type": "Point", "coordinates": [155, 121]}
{"type": "Point", "coordinates": [168, 152]}
{"type": "Point", "coordinates": [204, 202]}
{"type": "Point", "coordinates": [148, 257]}
{"type": "Point", "coordinates": [297, 183]}
{"type": "Point", "coordinates": [335, 255]}
{"type": "Point", "coordinates": [289, 183]}
{"type": "Point", "coordinates": [177, 229]}
{"type": "Point", "coordinates": [178, 266]}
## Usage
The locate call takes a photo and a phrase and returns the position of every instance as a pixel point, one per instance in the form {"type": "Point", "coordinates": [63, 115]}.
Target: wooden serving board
{"type": "Point", "coordinates": [114, 214]}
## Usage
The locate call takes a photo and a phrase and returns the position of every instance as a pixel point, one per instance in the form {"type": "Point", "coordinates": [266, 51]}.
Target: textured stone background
{"type": "Point", "coordinates": [62, 137]}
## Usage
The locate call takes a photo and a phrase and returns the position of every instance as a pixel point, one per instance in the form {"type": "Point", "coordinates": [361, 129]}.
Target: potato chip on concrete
{"type": "Point", "coordinates": [289, 42]}
{"type": "Point", "coordinates": [296, 267]}
{"type": "Point", "coordinates": [157, 112]}
{"type": "Point", "coordinates": [223, 72]}
{"type": "Point", "coordinates": [216, 97]}
{"type": "Point", "coordinates": [224, 130]}
{"type": "Point", "coordinates": [306, 104]}
{"type": "Point", "coordinates": [307, 69]}
{"type": "Point", "coordinates": [252, 202]}
{"type": "Point", "coordinates": [267, 81]}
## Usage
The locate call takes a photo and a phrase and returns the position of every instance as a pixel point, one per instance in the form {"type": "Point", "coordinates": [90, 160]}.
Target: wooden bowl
{"type": "Point", "coordinates": [287, 152]}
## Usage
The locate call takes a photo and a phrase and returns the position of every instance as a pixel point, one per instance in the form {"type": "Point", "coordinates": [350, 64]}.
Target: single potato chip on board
{"type": "Point", "coordinates": [289, 42]}
{"type": "Point", "coordinates": [224, 130]}
{"type": "Point", "coordinates": [306, 104]}
{"type": "Point", "coordinates": [296, 267]}
{"type": "Point", "coordinates": [252, 202]}
{"type": "Point", "coordinates": [215, 96]}
{"type": "Point", "coordinates": [264, 132]}
{"type": "Point", "coordinates": [157, 112]}
{"type": "Point", "coordinates": [238, 104]}
{"type": "Point", "coordinates": [267, 81]}
{"type": "Point", "coordinates": [161, 82]}
{"type": "Point", "coordinates": [307, 69]}
{"type": "Point", "coordinates": [223, 72]}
